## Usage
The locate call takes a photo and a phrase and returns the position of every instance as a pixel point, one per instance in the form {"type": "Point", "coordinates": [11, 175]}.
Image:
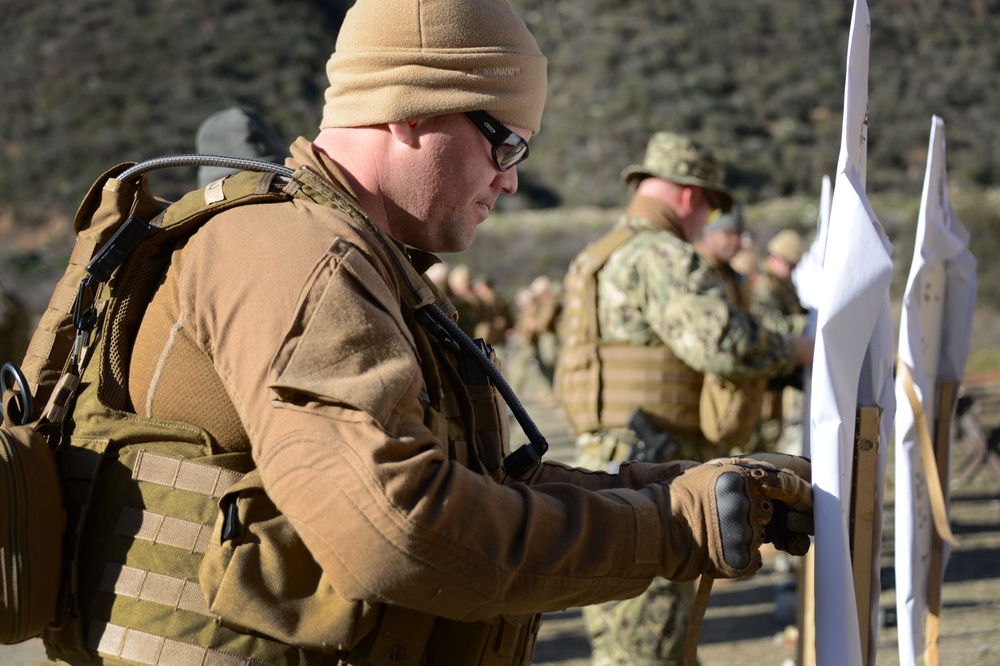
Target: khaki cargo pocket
{"type": "Point", "coordinates": [729, 410]}
{"type": "Point", "coordinates": [258, 576]}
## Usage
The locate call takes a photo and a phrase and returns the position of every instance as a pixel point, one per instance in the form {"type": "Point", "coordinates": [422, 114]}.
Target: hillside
{"type": "Point", "coordinates": [93, 83]}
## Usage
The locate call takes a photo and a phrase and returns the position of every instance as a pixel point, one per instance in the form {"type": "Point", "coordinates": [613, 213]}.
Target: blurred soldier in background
{"type": "Point", "coordinates": [237, 132]}
{"type": "Point", "coordinates": [644, 318]}
{"type": "Point", "coordinates": [494, 318]}
{"type": "Point", "coordinates": [730, 408]}
{"type": "Point", "coordinates": [721, 241]}
{"type": "Point", "coordinates": [747, 259]}
{"type": "Point", "coordinates": [775, 300]}
{"type": "Point", "coordinates": [539, 306]}
{"type": "Point", "coordinates": [460, 293]}
{"type": "Point", "coordinates": [776, 303]}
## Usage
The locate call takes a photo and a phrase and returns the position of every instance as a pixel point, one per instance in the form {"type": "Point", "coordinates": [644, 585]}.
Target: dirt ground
{"type": "Point", "coordinates": [751, 622]}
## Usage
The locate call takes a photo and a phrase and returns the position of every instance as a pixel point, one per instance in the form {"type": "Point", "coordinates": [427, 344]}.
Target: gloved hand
{"type": "Point", "coordinates": [793, 518]}
{"type": "Point", "coordinates": [719, 514]}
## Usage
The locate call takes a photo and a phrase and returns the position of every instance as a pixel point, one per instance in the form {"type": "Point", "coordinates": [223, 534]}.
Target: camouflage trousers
{"type": "Point", "coordinates": [650, 629]}
{"type": "Point", "coordinates": [605, 449]}
{"type": "Point", "coordinates": [647, 630]}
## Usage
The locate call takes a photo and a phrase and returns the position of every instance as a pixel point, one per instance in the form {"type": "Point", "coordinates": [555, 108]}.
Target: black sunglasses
{"type": "Point", "coordinates": [509, 149]}
{"type": "Point", "coordinates": [712, 198]}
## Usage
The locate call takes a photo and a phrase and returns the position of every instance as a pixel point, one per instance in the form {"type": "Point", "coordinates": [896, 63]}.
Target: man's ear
{"type": "Point", "coordinates": [688, 195]}
{"type": "Point", "coordinates": [405, 132]}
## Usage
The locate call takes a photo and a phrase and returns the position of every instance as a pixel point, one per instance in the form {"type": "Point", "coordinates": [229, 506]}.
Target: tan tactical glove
{"type": "Point", "coordinates": [723, 510]}
{"type": "Point", "coordinates": [793, 517]}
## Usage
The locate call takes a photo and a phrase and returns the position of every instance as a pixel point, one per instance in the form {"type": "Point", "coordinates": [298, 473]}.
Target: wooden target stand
{"type": "Point", "coordinates": [861, 523]}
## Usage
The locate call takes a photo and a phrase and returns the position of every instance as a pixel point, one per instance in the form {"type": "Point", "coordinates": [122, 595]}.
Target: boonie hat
{"type": "Point", "coordinates": [787, 245]}
{"type": "Point", "coordinates": [680, 159]}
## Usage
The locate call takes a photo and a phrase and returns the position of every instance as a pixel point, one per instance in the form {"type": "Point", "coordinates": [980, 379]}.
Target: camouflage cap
{"type": "Point", "coordinates": [681, 159]}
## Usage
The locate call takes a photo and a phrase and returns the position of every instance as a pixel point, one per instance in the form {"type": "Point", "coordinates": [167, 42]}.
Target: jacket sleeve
{"type": "Point", "coordinates": [631, 475]}
{"type": "Point", "coordinates": [344, 453]}
{"type": "Point", "coordinates": [686, 306]}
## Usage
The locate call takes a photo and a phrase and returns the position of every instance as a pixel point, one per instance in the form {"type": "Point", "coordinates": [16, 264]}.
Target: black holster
{"type": "Point", "coordinates": [654, 445]}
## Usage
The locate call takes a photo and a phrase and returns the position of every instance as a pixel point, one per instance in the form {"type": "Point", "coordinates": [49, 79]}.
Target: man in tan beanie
{"type": "Point", "coordinates": [381, 519]}
{"type": "Point", "coordinates": [645, 319]}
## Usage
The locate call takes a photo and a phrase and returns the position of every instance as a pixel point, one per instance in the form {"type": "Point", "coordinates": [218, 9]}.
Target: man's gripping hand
{"type": "Point", "coordinates": [723, 510]}
{"type": "Point", "coordinates": [792, 523]}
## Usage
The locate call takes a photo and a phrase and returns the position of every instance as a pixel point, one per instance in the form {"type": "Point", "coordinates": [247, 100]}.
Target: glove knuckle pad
{"type": "Point", "coordinates": [735, 529]}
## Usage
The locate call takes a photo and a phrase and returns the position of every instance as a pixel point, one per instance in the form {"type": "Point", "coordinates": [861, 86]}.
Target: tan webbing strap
{"type": "Point", "coordinates": [63, 297]}
{"type": "Point", "coordinates": [144, 648]}
{"type": "Point", "coordinates": [927, 456]}
{"type": "Point", "coordinates": [167, 530]}
{"type": "Point", "coordinates": [41, 344]}
{"type": "Point", "coordinates": [83, 251]}
{"type": "Point", "coordinates": [598, 254]}
{"type": "Point", "coordinates": [402, 639]}
{"type": "Point", "coordinates": [144, 585]}
{"type": "Point", "coordinates": [697, 618]}
{"type": "Point", "coordinates": [183, 475]}
{"type": "Point", "coordinates": [942, 446]}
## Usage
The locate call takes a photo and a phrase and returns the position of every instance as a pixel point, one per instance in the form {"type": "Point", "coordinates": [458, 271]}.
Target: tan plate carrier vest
{"type": "Point", "coordinates": [599, 382]}
{"type": "Point", "coordinates": [143, 495]}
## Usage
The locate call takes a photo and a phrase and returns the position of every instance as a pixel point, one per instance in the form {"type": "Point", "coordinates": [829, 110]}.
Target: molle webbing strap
{"type": "Point", "coordinates": [165, 530]}
{"type": "Point", "coordinates": [107, 204]}
{"type": "Point", "coordinates": [157, 588]}
{"type": "Point", "coordinates": [179, 474]}
{"type": "Point", "coordinates": [184, 475]}
{"type": "Point", "coordinates": [610, 380]}
{"type": "Point", "coordinates": [194, 209]}
{"type": "Point", "coordinates": [600, 383]}
{"type": "Point", "coordinates": [579, 319]}
{"type": "Point", "coordinates": [144, 648]}
{"type": "Point", "coordinates": [578, 366]}
{"type": "Point", "coordinates": [503, 641]}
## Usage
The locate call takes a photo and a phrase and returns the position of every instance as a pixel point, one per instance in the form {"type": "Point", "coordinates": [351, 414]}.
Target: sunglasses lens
{"type": "Point", "coordinates": [511, 152]}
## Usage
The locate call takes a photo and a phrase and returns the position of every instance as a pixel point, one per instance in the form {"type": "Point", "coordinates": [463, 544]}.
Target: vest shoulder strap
{"type": "Point", "coordinates": [197, 207]}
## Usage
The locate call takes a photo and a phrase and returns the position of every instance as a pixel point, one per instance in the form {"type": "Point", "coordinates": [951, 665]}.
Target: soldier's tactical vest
{"type": "Point", "coordinates": [175, 555]}
{"type": "Point", "coordinates": [599, 382]}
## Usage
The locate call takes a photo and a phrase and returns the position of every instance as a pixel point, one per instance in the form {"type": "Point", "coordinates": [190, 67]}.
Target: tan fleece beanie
{"type": "Point", "coordinates": [398, 60]}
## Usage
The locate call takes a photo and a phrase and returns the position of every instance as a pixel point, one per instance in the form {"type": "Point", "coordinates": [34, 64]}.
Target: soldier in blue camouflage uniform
{"type": "Point", "coordinates": [662, 321]}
